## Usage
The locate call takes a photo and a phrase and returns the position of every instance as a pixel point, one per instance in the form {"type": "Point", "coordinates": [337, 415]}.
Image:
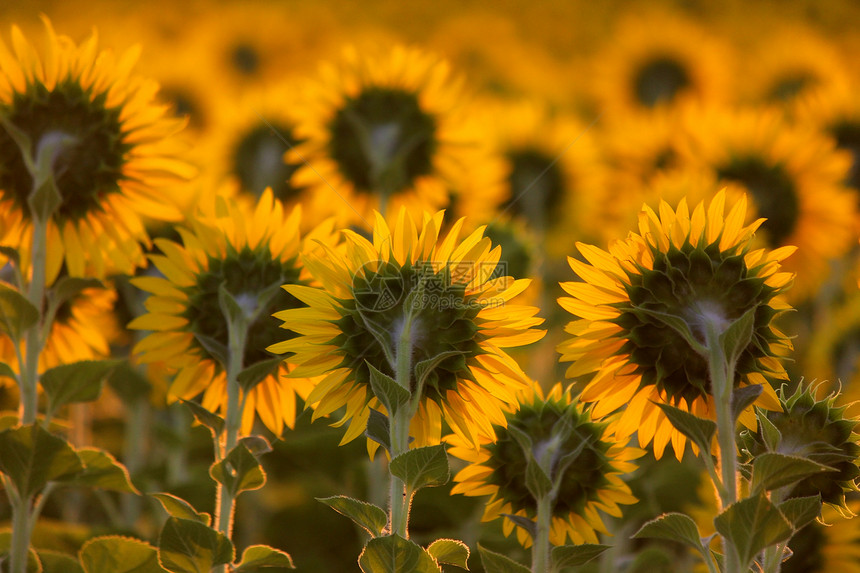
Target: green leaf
{"type": "Point", "coordinates": [76, 382]}
{"type": "Point", "coordinates": [426, 367]}
{"type": "Point", "coordinates": [214, 422]}
{"type": "Point", "coordinates": [523, 522]}
{"type": "Point", "coordinates": [116, 554]}
{"type": "Point", "coordinates": [700, 431]}
{"type": "Point", "coordinates": [12, 254]}
{"type": "Point", "coordinates": [387, 390]}
{"type": "Point", "coordinates": [752, 525]}
{"type": "Point", "coordinates": [575, 555]}
{"type": "Point", "coordinates": [56, 562]}
{"type": "Point", "coordinates": [672, 526]}
{"type": "Point", "coordinates": [772, 470]}
{"type": "Point", "coordinates": [178, 507]}
{"type": "Point", "coordinates": [378, 429]}
{"type": "Point", "coordinates": [7, 372]}
{"type": "Point", "coordinates": [497, 563]}
{"type": "Point", "coordinates": [801, 511]}
{"type": "Point", "coordinates": [239, 471]}
{"type": "Point", "coordinates": [67, 288]}
{"type": "Point", "coordinates": [16, 313]}
{"type": "Point", "coordinates": [129, 383]}
{"type": "Point", "coordinates": [256, 373]}
{"type": "Point", "coordinates": [263, 559]}
{"type": "Point", "coordinates": [450, 552]}
{"type": "Point", "coordinates": [31, 457]}
{"type": "Point", "coordinates": [45, 198]}
{"type": "Point", "coordinates": [366, 515]}
{"type": "Point", "coordinates": [257, 445]}
{"type": "Point", "coordinates": [233, 312]}
{"type": "Point", "coordinates": [738, 335]}
{"type": "Point", "coordinates": [537, 482]}
{"type": "Point", "coordinates": [422, 467]}
{"type": "Point", "coordinates": [770, 433]}
{"type": "Point", "coordinates": [215, 348]}
{"type": "Point", "coordinates": [393, 554]}
{"type": "Point", "coordinates": [186, 546]}
{"type": "Point", "coordinates": [102, 471]}
{"type": "Point", "coordinates": [743, 397]}
{"type": "Point", "coordinates": [677, 324]}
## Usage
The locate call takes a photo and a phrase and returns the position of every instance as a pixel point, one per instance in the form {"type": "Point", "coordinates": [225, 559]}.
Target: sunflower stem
{"type": "Point", "coordinates": [722, 378]}
{"type": "Point", "coordinates": [399, 428]}
{"type": "Point", "coordinates": [35, 341]}
{"type": "Point", "coordinates": [541, 546]}
{"type": "Point", "coordinates": [21, 531]}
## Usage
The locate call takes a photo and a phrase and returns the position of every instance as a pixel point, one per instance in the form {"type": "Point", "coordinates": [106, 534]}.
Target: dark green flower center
{"type": "Point", "coordinates": [85, 171]}
{"type": "Point", "coordinates": [537, 186]}
{"type": "Point", "coordinates": [382, 140]}
{"type": "Point", "coordinates": [774, 193]}
{"type": "Point", "coordinates": [847, 135]}
{"type": "Point", "coordinates": [696, 284]}
{"type": "Point", "coordinates": [845, 354]}
{"type": "Point", "coordinates": [789, 86]}
{"type": "Point", "coordinates": [246, 275]}
{"type": "Point", "coordinates": [659, 81]}
{"type": "Point", "coordinates": [184, 103]}
{"type": "Point", "coordinates": [517, 256]}
{"type": "Point", "coordinates": [443, 320]}
{"type": "Point", "coordinates": [259, 160]}
{"type": "Point", "coordinates": [806, 546]}
{"type": "Point", "coordinates": [583, 479]}
{"type": "Point", "coordinates": [245, 58]}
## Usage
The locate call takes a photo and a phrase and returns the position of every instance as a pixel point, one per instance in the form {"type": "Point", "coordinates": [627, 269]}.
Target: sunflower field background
{"type": "Point", "coordinates": [543, 257]}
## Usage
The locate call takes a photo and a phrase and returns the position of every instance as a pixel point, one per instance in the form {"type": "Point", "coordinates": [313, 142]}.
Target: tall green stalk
{"type": "Point", "coordinates": [399, 429]}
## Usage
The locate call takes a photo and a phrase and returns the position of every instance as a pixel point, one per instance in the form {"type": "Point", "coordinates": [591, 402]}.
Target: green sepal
{"type": "Point", "coordinates": [801, 511]}
{"type": "Point", "coordinates": [735, 339]}
{"type": "Point", "coordinates": [378, 429]}
{"type": "Point", "coordinates": [368, 516]}
{"type": "Point", "coordinates": [497, 563]}
{"type": "Point", "coordinates": [75, 382]}
{"type": "Point", "coordinates": [744, 397]}
{"type": "Point", "coordinates": [31, 457]}
{"type": "Point", "coordinates": [389, 393]}
{"type": "Point", "coordinates": [178, 507]}
{"type": "Point", "coordinates": [393, 554]}
{"type": "Point", "coordinates": [450, 552]}
{"type": "Point", "coordinates": [752, 525]}
{"type": "Point", "coordinates": [233, 312]}
{"type": "Point", "coordinates": [538, 482]}
{"type": "Point", "coordinates": [422, 467]}
{"type": "Point", "coordinates": [257, 372]}
{"type": "Point", "coordinates": [117, 554]}
{"type": "Point", "coordinates": [239, 471]}
{"type": "Point", "coordinates": [674, 527]}
{"type": "Point", "coordinates": [102, 471]}
{"type": "Point", "coordinates": [771, 470]}
{"type": "Point", "coordinates": [263, 559]}
{"type": "Point", "coordinates": [213, 421]}
{"type": "Point", "coordinates": [17, 314]}
{"type": "Point", "coordinates": [699, 430]}
{"type": "Point", "coordinates": [188, 546]}
{"type": "Point", "coordinates": [575, 555]}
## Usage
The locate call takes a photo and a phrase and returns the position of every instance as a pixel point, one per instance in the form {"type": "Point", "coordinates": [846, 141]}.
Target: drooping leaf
{"type": "Point", "coordinates": [7, 372]}
{"type": "Point", "coordinates": [393, 554]}
{"type": "Point", "coordinates": [263, 559]}
{"type": "Point", "coordinates": [31, 457]}
{"type": "Point", "coordinates": [378, 429]}
{"type": "Point", "coordinates": [743, 397]}
{"type": "Point", "coordinates": [674, 527]}
{"type": "Point", "coordinates": [451, 552]}
{"type": "Point", "coordinates": [16, 313]}
{"type": "Point", "coordinates": [178, 507]}
{"type": "Point", "coordinates": [366, 515]}
{"type": "Point", "coordinates": [118, 554]}
{"type": "Point", "coordinates": [256, 444]}
{"type": "Point", "coordinates": [497, 563]}
{"type": "Point", "coordinates": [187, 546]}
{"type": "Point", "coordinates": [11, 253]}
{"type": "Point", "coordinates": [239, 471]}
{"type": "Point", "coordinates": [676, 323]}
{"type": "Point", "coordinates": [213, 421]}
{"type": "Point", "coordinates": [772, 470]}
{"type": "Point", "coordinates": [215, 348]}
{"type": "Point", "coordinates": [256, 373]}
{"type": "Point", "coordinates": [752, 525]}
{"type": "Point", "coordinates": [387, 390]}
{"type": "Point", "coordinates": [698, 430]}
{"type": "Point", "coordinates": [422, 467]}
{"type": "Point", "coordinates": [801, 511]}
{"type": "Point", "coordinates": [426, 367]}
{"type": "Point", "coordinates": [523, 522]}
{"type": "Point", "coordinates": [575, 555]}
{"type": "Point", "coordinates": [67, 288]}
{"type": "Point", "coordinates": [102, 471]}
{"type": "Point", "coordinates": [75, 382]}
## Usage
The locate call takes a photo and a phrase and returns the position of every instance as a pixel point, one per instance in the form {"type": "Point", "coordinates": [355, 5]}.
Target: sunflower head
{"type": "Point", "coordinates": [817, 430]}
{"type": "Point", "coordinates": [112, 152]}
{"type": "Point", "coordinates": [442, 293]}
{"type": "Point", "coordinates": [579, 456]}
{"type": "Point", "coordinates": [644, 308]}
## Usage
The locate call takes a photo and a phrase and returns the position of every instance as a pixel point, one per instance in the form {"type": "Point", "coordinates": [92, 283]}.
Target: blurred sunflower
{"type": "Point", "coordinates": [794, 177]}
{"type": "Point", "coordinates": [455, 306]}
{"type": "Point", "coordinates": [113, 173]}
{"type": "Point", "coordinates": [657, 58]}
{"type": "Point", "coordinates": [385, 132]}
{"type": "Point", "coordinates": [833, 352]}
{"type": "Point", "coordinates": [833, 545]}
{"type": "Point", "coordinates": [250, 254]}
{"type": "Point", "coordinates": [591, 482]}
{"type": "Point", "coordinates": [697, 268]}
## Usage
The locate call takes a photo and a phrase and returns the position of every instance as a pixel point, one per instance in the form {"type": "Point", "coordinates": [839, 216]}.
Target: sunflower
{"type": "Point", "coordinates": [794, 177]}
{"type": "Point", "coordinates": [445, 288]}
{"type": "Point", "coordinates": [693, 267]}
{"type": "Point", "coordinates": [833, 350]}
{"type": "Point", "coordinates": [660, 59]}
{"type": "Point", "coordinates": [250, 254]}
{"type": "Point", "coordinates": [389, 131]}
{"type": "Point", "coordinates": [833, 545]}
{"type": "Point", "coordinates": [591, 482]}
{"type": "Point", "coordinates": [112, 174]}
